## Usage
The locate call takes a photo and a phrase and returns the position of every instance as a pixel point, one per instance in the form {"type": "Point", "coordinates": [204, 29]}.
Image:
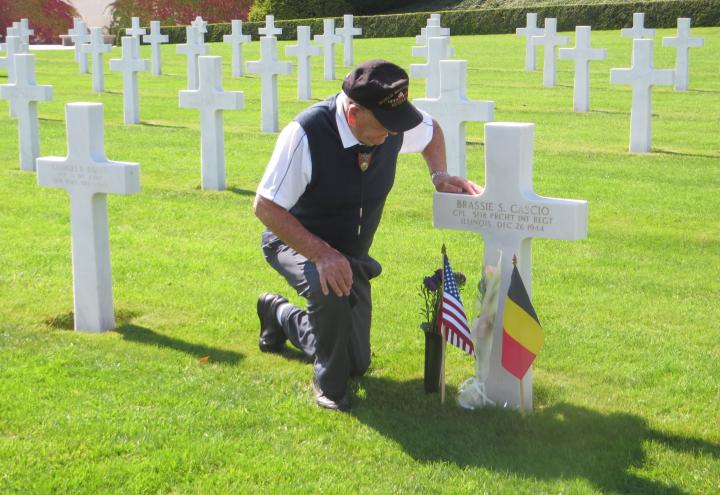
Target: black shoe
{"type": "Point", "coordinates": [272, 337]}
{"type": "Point", "coordinates": [322, 400]}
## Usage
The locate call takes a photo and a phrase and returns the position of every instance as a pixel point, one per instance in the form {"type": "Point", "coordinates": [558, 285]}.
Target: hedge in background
{"type": "Point", "coordinates": [494, 21]}
{"type": "Point", "coordinates": [175, 12]}
{"type": "Point", "coordinates": [294, 9]}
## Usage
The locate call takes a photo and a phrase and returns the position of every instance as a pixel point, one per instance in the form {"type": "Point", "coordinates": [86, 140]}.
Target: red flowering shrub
{"type": "Point", "coordinates": [177, 12]}
{"type": "Point", "coordinates": [49, 18]}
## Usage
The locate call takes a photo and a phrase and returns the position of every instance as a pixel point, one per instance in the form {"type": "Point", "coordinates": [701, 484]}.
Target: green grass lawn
{"type": "Point", "coordinates": [627, 387]}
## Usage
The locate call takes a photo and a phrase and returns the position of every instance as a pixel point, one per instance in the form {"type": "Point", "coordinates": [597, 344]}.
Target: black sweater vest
{"type": "Point", "coordinates": [343, 205]}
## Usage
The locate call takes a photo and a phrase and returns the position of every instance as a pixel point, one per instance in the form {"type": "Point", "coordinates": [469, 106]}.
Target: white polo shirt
{"type": "Point", "coordinates": [289, 170]}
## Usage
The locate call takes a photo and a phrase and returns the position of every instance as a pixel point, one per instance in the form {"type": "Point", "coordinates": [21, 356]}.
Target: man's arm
{"type": "Point", "coordinates": [434, 154]}
{"type": "Point", "coordinates": [333, 268]}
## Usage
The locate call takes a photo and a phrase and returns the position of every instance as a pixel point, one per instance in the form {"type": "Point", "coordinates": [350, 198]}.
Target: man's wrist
{"type": "Point", "coordinates": [437, 174]}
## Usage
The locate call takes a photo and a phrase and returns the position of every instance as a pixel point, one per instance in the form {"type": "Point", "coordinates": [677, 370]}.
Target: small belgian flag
{"type": "Point", "coordinates": [522, 334]}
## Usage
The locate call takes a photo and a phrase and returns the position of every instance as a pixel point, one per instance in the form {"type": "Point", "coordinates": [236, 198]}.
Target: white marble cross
{"type": "Point", "coordinates": [550, 40]}
{"type": "Point", "coordinates": [582, 54]}
{"type": "Point", "coordinates": [236, 40]}
{"type": "Point", "coordinates": [130, 64]}
{"type": "Point", "coordinates": [200, 24]}
{"type": "Point", "coordinates": [96, 48]}
{"type": "Point", "coordinates": [192, 48]}
{"type": "Point", "coordinates": [88, 177]}
{"type": "Point", "coordinates": [682, 44]}
{"type": "Point", "coordinates": [303, 51]}
{"type": "Point", "coordinates": [433, 29]}
{"type": "Point", "coordinates": [79, 36]}
{"type": "Point", "coordinates": [452, 109]}
{"type": "Point", "coordinates": [508, 214]}
{"type": "Point", "coordinates": [328, 40]}
{"type": "Point", "coordinates": [135, 30]}
{"type": "Point", "coordinates": [155, 38]}
{"type": "Point", "coordinates": [346, 33]}
{"type": "Point", "coordinates": [531, 29]}
{"type": "Point", "coordinates": [270, 29]}
{"type": "Point", "coordinates": [25, 31]}
{"type": "Point", "coordinates": [424, 50]}
{"type": "Point", "coordinates": [24, 94]}
{"type": "Point", "coordinates": [642, 76]}
{"type": "Point", "coordinates": [638, 29]}
{"type": "Point", "coordinates": [13, 47]}
{"type": "Point", "coordinates": [211, 100]}
{"type": "Point", "coordinates": [269, 67]}
{"type": "Point", "coordinates": [430, 71]}
{"type": "Point", "coordinates": [16, 30]}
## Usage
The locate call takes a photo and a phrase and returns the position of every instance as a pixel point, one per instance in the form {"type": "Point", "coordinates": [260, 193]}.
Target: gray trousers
{"type": "Point", "coordinates": [335, 331]}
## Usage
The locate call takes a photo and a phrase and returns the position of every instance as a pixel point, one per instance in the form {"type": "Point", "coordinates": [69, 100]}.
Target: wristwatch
{"type": "Point", "coordinates": [438, 173]}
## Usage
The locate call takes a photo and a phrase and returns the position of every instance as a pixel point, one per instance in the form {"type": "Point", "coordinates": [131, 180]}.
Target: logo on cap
{"type": "Point", "coordinates": [394, 99]}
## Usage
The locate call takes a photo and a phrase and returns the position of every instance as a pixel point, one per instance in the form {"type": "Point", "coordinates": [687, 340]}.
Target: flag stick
{"type": "Point", "coordinates": [442, 365]}
{"type": "Point", "coordinates": [522, 398]}
{"type": "Point", "coordinates": [442, 330]}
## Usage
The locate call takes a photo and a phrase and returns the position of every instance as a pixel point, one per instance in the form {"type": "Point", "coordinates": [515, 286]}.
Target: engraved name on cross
{"type": "Point", "coordinates": [508, 214]}
{"type": "Point", "coordinates": [88, 177]}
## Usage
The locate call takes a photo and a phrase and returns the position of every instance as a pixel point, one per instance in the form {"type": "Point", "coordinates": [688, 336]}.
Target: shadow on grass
{"type": "Point", "coordinates": [241, 192]}
{"type": "Point", "coordinates": [677, 153]}
{"type": "Point", "coordinates": [163, 126]}
{"type": "Point", "coordinates": [66, 321]}
{"type": "Point", "coordinates": [142, 335]}
{"type": "Point", "coordinates": [559, 442]}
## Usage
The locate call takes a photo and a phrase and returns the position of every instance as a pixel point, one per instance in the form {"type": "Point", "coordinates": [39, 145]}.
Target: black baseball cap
{"type": "Point", "coordinates": [382, 87]}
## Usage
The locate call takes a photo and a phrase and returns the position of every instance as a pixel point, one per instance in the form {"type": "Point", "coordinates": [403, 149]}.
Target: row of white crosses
{"type": "Point", "coordinates": [445, 93]}
{"type": "Point", "coordinates": [642, 75]}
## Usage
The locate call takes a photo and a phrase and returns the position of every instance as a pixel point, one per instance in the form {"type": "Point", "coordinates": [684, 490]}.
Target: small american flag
{"type": "Point", "coordinates": [452, 312]}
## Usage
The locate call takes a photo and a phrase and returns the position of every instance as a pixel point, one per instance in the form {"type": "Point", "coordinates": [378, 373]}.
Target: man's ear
{"type": "Point", "coordinates": [352, 113]}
